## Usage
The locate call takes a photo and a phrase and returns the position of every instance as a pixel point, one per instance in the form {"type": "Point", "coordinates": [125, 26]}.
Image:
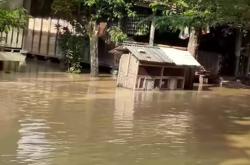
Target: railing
{"type": "Point", "coordinates": [13, 39]}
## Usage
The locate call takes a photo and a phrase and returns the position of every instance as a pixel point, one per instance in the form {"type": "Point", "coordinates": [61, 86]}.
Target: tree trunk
{"type": "Point", "coordinates": [193, 43]}
{"type": "Point", "coordinates": [238, 42]}
{"type": "Point", "coordinates": [94, 61]}
{"type": "Point", "coordinates": [152, 33]}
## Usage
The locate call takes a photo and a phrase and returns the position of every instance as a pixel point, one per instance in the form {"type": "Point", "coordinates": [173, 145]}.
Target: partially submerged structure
{"type": "Point", "coordinates": [149, 68]}
{"type": "Point", "coordinates": [11, 61]}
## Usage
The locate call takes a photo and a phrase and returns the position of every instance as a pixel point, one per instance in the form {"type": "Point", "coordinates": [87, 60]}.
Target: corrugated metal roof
{"type": "Point", "coordinates": [180, 57]}
{"type": "Point", "coordinates": [163, 55]}
{"type": "Point", "coordinates": [151, 54]}
{"type": "Point", "coordinates": [8, 56]}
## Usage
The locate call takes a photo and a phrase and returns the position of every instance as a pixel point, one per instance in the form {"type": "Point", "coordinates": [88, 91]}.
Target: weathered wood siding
{"type": "Point", "coordinates": [42, 36]}
{"type": "Point", "coordinates": [128, 70]}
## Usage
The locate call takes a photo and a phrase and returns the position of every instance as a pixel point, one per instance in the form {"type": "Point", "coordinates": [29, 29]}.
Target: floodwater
{"type": "Point", "coordinates": [53, 118]}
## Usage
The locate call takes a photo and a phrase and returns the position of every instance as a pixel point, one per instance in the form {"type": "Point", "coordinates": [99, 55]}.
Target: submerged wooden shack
{"type": "Point", "coordinates": [149, 68]}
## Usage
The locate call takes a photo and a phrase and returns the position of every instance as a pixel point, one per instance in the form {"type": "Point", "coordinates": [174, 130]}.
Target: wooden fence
{"type": "Point", "coordinates": [41, 37]}
{"type": "Point", "coordinates": [13, 39]}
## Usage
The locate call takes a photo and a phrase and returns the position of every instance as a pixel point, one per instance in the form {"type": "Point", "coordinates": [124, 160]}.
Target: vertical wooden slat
{"type": "Point", "coordinates": [44, 36]}
{"type": "Point", "coordinates": [2, 42]}
{"type": "Point", "coordinates": [20, 38]}
{"type": "Point", "coordinates": [28, 36]}
{"type": "Point", "coordinates": [37, 35]}
{"type": "Point", "coordinates": [40, 37]}
{"type": "Point", "coordinates": [48, 39]}
{"type": "Point", "coordinates": [32, 34]}
{"type": "Point", "coordinates": [6, 38]}
{"type": "Point", "coordinates": [127, 69]}
{"type": "Point", "coordinates": [14, 38]}
{"type": "Point", "coordinates": [162, 73]}
{"type": "Point", "coordinates": [17, 37]}
{"type": "Point", "coordinates": [56, 41]}
{"type": "Point", "coordinates": [53, 32]}
{"type": "Point", "coordinates": [9, 37]}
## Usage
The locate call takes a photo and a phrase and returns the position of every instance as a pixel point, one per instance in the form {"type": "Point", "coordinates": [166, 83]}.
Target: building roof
{"type": "Point", "coordinates": [180, 57]}
{"type": "Point", "coordinates": [150, 54]}
{"type": "Point", "coordinates": [163, 55]}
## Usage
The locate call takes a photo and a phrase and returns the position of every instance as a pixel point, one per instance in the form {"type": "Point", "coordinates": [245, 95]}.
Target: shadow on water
{"type": "Point", "coordinates": [49, 117]}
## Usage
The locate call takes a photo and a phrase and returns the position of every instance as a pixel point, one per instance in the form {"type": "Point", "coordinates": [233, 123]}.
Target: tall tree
{"type": "Point", "coordinates": [200, 14]}
{"type": "Point", "coordinates": [197, 15]}
{"type": "Point", "coordinates": [237, 15]}
{"type": "Point", "coordinates": [85, 15]}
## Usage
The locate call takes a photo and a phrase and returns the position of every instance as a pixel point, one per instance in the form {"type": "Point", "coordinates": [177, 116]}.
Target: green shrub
{"type": "Point", "coordinates": [72, 46]}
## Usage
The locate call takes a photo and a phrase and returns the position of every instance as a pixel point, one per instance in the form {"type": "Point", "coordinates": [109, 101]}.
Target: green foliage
{"type": "Point", "coordinates": [117, 35]}
{"type": "Point", "coordinates": [200, 14]}
{"type": "Point", "coordinates": [143, 29]}
{"type": "Point", "coordinates": [72, 46]}
{"type": "Point", "coordinates": [12, 18]}
{"type": "Point", "coordinates": [235, 13]}
{"type": "Point", "coordinates": [85, 15]}
{"type": "Point", "coordinates": [93, 10]}
{"type": "Point", "coordinates": [176, 14]}
{"type": "Point", "coordinates": [81, 13]}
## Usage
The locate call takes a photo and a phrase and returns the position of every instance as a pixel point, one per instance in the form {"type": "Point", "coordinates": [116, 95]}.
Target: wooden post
{"type": "Point", "coordinates": [152, 33]}
{"type": "Point", "coordinates": [189, 78]}
{"type": "Point", "coordinates": [238, 42]}
{"type": "Point", "coordinates": [162, 73]}
{"type": "Point", "coordinates": [248, 63]}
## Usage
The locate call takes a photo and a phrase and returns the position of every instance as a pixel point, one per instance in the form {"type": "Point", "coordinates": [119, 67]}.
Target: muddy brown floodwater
{"type": "Point", "coordinates": [53, 118]}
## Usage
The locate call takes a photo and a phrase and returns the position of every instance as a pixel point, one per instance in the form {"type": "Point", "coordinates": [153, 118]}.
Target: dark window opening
{"type": "Point", "coordinates": [157, 84]}
{"type": "Point", "coordinates": [165, 84]}
{"type": "Point", "coordinates": [179, 84]}
{"type": "Point", "coordinates": [173, 72]}
{"type": "Point", "coordinates": [149, 71]}
{"type": "Point", "coordinates": [141, 83]}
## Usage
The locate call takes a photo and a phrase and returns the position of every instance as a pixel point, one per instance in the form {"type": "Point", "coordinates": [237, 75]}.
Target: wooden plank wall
{"type": "Point", "coordinates": [127, 71]}
{"type": "Point", "coordinates": [42, 36]}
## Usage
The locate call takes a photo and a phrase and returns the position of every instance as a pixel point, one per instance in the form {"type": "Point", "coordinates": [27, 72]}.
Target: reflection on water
{"type": "Point", "coordinates": [33, 146]}
{"type": "Point", "coordinates": [53, 118]}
